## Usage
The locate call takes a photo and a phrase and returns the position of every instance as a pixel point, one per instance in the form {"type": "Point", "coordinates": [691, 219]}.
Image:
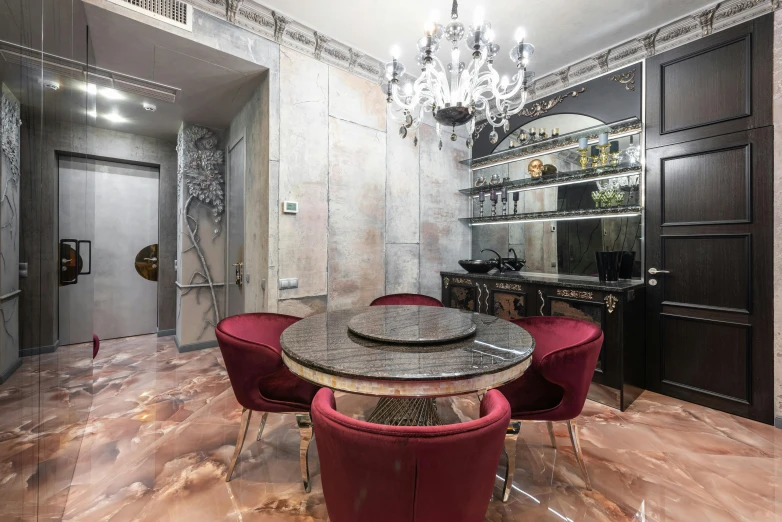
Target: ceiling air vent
{"type": "Point", "coordinates": [174, 12]}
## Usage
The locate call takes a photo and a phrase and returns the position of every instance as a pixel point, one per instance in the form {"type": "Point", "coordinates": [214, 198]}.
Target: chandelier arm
{"type": "Point", "coordinates": [436, 86]}
{"type": "Point", "coordinates": [516, 88]}
{"type": "Point", "coordinates": [398, 99]}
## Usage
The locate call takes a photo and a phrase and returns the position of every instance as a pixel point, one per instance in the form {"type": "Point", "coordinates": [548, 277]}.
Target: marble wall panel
{"type": "Point", "coordinates": [304, 173]}
{"type": "Point", "coordinates": [444, 239]}
{"type": "Point", "coordinates": [402, 267]}
{"type": "Point", "coordinates": [303, 307]}
{"type": "Point", "coordinates": [357, 184]}
{"type": "Point", "coordinates": [355, 99]}
{"type": "Point", "coordinates": [402, 188]}
{"type": "Point", "coordinates": [778, 217]}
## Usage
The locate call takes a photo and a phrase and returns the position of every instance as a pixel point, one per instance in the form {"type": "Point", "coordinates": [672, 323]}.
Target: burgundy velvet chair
{"type": "Point", "coordinates": [406, 299]}
{"type": "Point", "coordinates": [250, 344]}
{"type": "Point", "coordinates": [555, 386]}
{"type": "Point", "coordinates": [378, 473]}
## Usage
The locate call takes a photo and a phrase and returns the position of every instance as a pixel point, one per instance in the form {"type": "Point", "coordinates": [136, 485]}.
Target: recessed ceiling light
{"type": "Point", "coordinates": [111, 94]}
{"type": "Point", "coordinates": [149, 107]}
{"type": "Point", "coordinates": [50, 84]}
{"type": "Point", "coordinates": [115, 117]}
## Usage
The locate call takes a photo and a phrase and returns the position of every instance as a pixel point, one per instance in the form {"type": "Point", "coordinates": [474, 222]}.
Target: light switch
{"type": "Point", "coordinates": [287, 284]}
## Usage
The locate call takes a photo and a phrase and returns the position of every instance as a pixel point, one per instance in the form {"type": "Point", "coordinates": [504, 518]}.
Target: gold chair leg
{"type": "Point", "coordinates": [263, 425]}
{"type": "Point", "coordinates": [550, 426]}
{"type": "Point", "coordinates": [573, 429]}
{"type": "Point", "coordinates": [511, 436]}
{"type": "Point", "coordinates": [304, 422]}
{"type": "Point", "coordinates": [239, 441]}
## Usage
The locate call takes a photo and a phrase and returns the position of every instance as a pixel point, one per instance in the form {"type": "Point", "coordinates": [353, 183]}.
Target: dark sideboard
{"type": "Point", "coordinates": [617, 307]}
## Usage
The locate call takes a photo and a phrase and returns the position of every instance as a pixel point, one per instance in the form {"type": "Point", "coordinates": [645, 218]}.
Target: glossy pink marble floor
{"type": "Point", "coordinates": [162, 426]}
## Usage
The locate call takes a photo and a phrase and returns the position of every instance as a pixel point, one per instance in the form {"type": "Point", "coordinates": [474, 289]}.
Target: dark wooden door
{"type": "Point", "coordinates": [715, 85]}
{"type": "Point", "coordinates": [709, 225]}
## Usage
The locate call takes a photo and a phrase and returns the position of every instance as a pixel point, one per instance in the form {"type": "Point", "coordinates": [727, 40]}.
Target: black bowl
{"type": "Point", "coordinates": [478, 266]}
{"type": "Point", "coordinates": [515, 264]}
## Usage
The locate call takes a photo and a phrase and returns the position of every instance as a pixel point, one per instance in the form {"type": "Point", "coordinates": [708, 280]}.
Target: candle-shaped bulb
{"type": "Point", "coordinates": [482, 196]}
{"type": "Point", "coordinates": [395, 52]}
{"type": "Point", "coordinates": [614, 147]}
{"type": "Point", "coordinates": [583, 143]}
{"type": "Point", "coordinates": [602, 139]}
{"type": "Point", "coordinates": [504, 194]}
{"type": "Point", "coordinates": [520, 34]}
{"type": "Point", "coordinates": [516, 196]}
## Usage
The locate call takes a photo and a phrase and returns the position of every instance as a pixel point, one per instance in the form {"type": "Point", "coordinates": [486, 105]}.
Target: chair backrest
{"type": "Point", "coordinates": [566, 353]}
{"type": "Point", "coordinates": [406, 299]}
{"type": "Point", "coordinates": [401, 474]}
{"type": "Point", "coordinates": [250, 344]}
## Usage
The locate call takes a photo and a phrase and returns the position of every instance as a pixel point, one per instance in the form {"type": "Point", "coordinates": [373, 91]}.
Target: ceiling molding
{"type": "Point", "coordinates": [269, 24]}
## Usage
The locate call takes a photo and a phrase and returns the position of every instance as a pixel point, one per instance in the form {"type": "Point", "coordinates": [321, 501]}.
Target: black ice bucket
{"type": "Point", "coordinates": [626, 261]}
{"type": "Point", "coordinates": [608, 265]}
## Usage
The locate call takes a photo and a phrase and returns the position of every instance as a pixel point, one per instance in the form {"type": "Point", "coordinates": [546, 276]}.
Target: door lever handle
{"type": "Point", "coordinates": [654, 271]}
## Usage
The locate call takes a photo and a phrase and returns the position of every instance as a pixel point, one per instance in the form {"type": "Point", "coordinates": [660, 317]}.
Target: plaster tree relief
{"type": "Point", "coordinates": [200, 171]}
{"type": "Point", "coordinates": [11, 121]}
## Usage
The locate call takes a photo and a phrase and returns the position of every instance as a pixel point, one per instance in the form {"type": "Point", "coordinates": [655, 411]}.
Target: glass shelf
{"type": "Point", "coordinates": [561, 143]}
{"type": "Point", "coordinates": [556, 215]}
{"type": "Point", "coordinates": [557, 180]}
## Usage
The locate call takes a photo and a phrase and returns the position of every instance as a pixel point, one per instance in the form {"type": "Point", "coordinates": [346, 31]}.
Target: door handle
{"type": "Point", "coordinates": [79, 243]}
{"type": "Point", "coordinates": [654, 271]}
{"type": "Point", "coordinates": [239, 268]}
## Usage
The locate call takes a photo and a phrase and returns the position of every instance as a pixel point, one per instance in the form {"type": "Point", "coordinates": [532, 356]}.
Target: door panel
{"type": "Point", "coordinates": [715, 85]}
{"type": "Point", "coordinates": [236, 269]}
{"type": "Point", "coordinates": [111, 209]}
{"type": "Point", "coordinates": [709, 271]}
{"type": "Point", "coordinates": [710, 327]}
{"type": "Point", "coordinates": [685, 80]}
{"type": "Point", "coordinates": [711, 187]}
{"type": "Point", "coordinates": [689, 344]}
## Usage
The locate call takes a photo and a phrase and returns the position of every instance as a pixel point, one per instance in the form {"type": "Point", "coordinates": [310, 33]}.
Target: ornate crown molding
{"type": "Point", "coordinates": [272, 25]}
{"type": "Point", "coordinates": [267, 23]}
{"type": "Point", "coordinates": [716, 17]}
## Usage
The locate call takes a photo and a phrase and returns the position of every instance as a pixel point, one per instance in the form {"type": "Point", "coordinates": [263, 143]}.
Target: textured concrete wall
{"type": "Point", "coordinates": [363, 228]}
{"type": "Point", "coordinates": [778, 216]}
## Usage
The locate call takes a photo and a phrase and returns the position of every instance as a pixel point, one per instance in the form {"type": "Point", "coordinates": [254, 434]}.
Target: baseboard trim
{"type": "Point", "coordinates": [39, 350]}
{"type": "Point", "coordinates": [166, 333]}
{"type": "Point", "coordinates": [778, 422]}
{"type": "Point", "coordinates": [10, 371]}
{"type": "Point", "coordinates": [182, 348]}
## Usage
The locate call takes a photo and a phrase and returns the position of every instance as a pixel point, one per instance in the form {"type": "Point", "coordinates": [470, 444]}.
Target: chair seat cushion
{"type": "Point", "coordinates": [290, 392]}
{"type": "Point", "coordinates": [531, 394]}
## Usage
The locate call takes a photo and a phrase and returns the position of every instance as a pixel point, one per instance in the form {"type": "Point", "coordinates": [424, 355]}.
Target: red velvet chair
{"type": "Point", "coordinates": [406, 299]}
{"type": "Point", "coordinates": [555, 386]}
{"type": "Point", "coordinates": [250, 344]}
{"type": "Point", "coordinates": [378, 473]}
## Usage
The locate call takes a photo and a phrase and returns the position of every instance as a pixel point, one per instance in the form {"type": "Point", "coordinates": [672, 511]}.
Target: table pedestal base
{"type": "Point", "coordinates": [395, 411]}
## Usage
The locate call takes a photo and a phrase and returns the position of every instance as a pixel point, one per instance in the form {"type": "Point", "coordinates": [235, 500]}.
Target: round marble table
{"type": "Point", "coordinates": [321, 349]}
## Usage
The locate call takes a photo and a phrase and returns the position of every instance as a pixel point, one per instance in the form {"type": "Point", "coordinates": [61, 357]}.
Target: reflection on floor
{"type": "Point", "coordinates": [162, 427]}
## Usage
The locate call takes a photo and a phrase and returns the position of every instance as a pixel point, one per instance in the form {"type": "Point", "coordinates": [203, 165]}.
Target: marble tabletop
{"type": "Point", "coordinates": [323, 344]}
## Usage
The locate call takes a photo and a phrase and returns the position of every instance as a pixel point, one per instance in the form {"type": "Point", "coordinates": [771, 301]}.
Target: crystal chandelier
{"type": "Point", "coordinates": [458, 93]}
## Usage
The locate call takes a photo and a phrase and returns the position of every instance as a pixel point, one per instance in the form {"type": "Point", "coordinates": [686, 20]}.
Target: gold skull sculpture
{"type": "Point", "coordinates": [535, 168]}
